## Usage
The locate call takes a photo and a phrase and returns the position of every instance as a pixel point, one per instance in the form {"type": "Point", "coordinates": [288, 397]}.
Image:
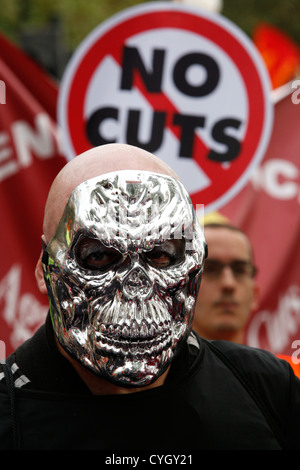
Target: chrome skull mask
{"type": "Point", "coordinates": [122, 272]}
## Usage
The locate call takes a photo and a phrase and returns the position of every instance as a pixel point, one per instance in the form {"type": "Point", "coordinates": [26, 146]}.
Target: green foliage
{"type": "Point", "coordinates": [79, 17]}
{"type": "Point", "coordinates": [284, 14]}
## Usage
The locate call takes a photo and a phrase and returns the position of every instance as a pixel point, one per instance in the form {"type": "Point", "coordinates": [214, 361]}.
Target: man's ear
{"type": "Point", "coordinates": [39, 276]}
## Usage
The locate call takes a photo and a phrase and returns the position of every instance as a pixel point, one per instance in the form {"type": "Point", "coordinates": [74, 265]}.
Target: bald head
{"type": "Point", "coordinates": [95, 162]}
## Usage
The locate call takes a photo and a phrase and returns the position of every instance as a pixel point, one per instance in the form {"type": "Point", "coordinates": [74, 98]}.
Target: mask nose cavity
{"type": "Point", "coordinates": [137, 284]}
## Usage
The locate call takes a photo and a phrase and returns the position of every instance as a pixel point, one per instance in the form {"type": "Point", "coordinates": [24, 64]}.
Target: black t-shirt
{"type": "Point", "coordinates": [217, 396]}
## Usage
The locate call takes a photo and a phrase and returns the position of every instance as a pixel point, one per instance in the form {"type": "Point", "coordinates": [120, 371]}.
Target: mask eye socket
{"type": "Point", "coordinates": [169, 253]}
{"type": "Point", "coordinates": [91, 254]}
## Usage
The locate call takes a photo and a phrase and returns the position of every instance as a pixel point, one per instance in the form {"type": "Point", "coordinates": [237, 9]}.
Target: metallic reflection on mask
{"type": "Point", "coordinates": [122, 272]}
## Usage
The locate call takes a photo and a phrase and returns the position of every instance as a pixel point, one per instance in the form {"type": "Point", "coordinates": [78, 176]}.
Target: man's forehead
{"type": "Point", "coordinates": [224, 242]}
{"type": "Point", "coordinates": [130, 194]}
{"type": "Point", "coordinates": [131, 188]}
{"type": "Point", "coordinates": [124, 179]}
{"type": "Point", "coordinates": [128, 205]}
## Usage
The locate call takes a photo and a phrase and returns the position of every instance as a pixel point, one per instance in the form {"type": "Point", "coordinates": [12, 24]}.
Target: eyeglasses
{"type": "Point", "coordinates": [240, 269]}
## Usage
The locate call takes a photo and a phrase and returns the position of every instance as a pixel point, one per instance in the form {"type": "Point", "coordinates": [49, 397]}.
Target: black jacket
{"type": "Point", "coordinates": [218, 395]}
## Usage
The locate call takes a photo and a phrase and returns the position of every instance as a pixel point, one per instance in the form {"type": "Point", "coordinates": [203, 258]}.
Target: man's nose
{"type": "Point", "coordinates": [227, 278]}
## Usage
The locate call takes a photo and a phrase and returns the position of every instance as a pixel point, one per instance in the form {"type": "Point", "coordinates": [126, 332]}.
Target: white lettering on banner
{"type": "Point", "coordinates": [281, 325]}
{"type": "Point", "coordinates": [296, 354]}
{"type": "Point", "coordinates": [279, 178]}
{"type": "Point", "coordinates": [295, 95]}
{"type": "Point", "coordinates": [23, 313]}
{"type": "Point", "coordinates": [8, 166]}
{"type": "Point", "coordinates": [16, 150]}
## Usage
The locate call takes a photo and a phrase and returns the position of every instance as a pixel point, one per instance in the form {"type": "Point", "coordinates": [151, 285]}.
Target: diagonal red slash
{"type": "Point", "coordinates": [159, 101]}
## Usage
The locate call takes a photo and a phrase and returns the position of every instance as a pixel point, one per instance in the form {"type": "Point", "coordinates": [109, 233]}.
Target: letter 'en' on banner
{"type": "Point", "coordinates": [30, 158]}
{"type": "Point", "coordinates": [184, 84]}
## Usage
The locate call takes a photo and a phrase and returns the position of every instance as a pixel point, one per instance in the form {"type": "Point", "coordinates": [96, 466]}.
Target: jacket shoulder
{"type": "Point", "coordinates": [269, 380]}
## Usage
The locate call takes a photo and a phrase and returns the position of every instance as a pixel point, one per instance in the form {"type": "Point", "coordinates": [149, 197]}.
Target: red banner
{"type": "Point", "coordinates": [268, 210]}
{"type": "Point", "coordinates": [281, 54]}
{"type": "Point", "coordinates": [30, 157]}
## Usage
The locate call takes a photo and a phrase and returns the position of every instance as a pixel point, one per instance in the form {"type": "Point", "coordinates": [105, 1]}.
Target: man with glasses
{"type": "Point", "coordinates": [229, 291]}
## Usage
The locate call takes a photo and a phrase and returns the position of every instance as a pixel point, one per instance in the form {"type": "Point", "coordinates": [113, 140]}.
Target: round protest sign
{"type": "Point", "coordinates": [184, 84]}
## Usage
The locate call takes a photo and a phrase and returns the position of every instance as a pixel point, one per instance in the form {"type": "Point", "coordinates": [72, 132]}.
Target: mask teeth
{"type": "Point", "coordinates": [152, 330]}
{"type": "Point", "coordinates": [139, 331]}
{"type": "Point", "coordinates": [133, 320]}
{"type": "Point", "coordinates": [144, 330]}
{"type": "Point", "coordinates": [157, 314]}
{"type": "Point", "coordinates": [135, 330]}
{"type": "Point", "coordinates": [155, 346]}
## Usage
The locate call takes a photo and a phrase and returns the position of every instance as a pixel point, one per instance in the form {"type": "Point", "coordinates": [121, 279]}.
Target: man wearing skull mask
{"type": "Point", "coordinates": [116, 365]}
